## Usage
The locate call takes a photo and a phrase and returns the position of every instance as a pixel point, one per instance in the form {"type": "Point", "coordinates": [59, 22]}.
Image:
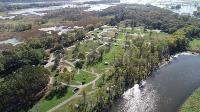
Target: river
{"type": "Point", "coordinates": [166, 90]}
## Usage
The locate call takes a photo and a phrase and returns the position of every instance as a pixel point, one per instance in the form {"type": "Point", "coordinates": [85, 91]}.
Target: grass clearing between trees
{"type": "Point", "coordinates": [83, 76]}
{"type": "Point", "coordinates": [45, 105]}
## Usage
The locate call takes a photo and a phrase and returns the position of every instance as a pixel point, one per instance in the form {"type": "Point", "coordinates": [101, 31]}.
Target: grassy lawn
{"type": "Point", "coordinates": [66, 107]}
{"type": "Point", "coordinates": [115, 51]}
{"type": "Point", "coordinates": [99, 67]}
{"type": "Point", "coordinates": [109, 57]}
{"type": "Point", "coordinates": [84, 47]}
{"type": "Point", "coordinates": [83, 77]}
{"type": "Point", "coordinates": [88, 46]}
{"type": "Point", "coordinates": [45, 105]}
{"type": "Point", "coordinates": [88, 88]}
{"type": "Point", "coordinates": [68, 54]}
{"type": "Point", "coordinates": [146, 34]}
{"type": "Point", "coordinates": [192, 103]}
{"type": "Point", "coordinates": [194, 44]}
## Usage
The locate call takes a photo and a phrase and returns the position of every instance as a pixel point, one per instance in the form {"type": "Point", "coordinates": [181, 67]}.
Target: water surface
{"type": "Point", "coordinates": [13, 41]}
{"type": "Point", "coordinates": [166, 90]}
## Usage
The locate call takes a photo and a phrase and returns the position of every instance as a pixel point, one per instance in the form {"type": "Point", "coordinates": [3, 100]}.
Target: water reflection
{"type": "Point", "coordinates": [166, 90]}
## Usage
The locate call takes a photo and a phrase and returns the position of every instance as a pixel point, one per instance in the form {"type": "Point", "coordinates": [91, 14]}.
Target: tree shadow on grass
{"type": "Point", "coordinates": [58, 92]}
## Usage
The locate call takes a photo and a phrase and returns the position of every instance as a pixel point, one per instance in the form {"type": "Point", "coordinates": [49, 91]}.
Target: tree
{"type": "Point", "coordinates": [80, 35]}
{"type": "Point", "coordinates": [113, 22]}
{"type": "Point", "coordinates": [81, 56]}
{"type": "Point", "coordinates": [19, 91]}
{"type": "Point", "coordinates": [90, 27]}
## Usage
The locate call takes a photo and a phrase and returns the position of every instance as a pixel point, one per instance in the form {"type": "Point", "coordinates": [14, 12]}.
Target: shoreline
{"type": "Point", "coordinates": [173, 57]}
{"type": "Point", "coordinates": [139, 86]}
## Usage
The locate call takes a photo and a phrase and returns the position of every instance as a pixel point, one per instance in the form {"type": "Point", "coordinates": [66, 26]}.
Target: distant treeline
{"type": "Point", "coordinates": [148, 16]}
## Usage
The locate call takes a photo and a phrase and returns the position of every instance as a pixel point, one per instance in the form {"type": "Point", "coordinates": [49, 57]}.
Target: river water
{"type": "Point", "coordinates": [166, 90]}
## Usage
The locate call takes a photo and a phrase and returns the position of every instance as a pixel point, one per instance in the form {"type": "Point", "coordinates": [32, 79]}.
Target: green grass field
{"type": "Point", "coordinates": [109, 57]}
{"type": "Point", "coordinates": [88, 46]}
{"type": "Point", "coordinates": [88, 88]}
{"type": "Point", "coordinates": [192, 104]}
{"type": "Point", "coordinates": [83, 77]}
{"type": "Point", "coordinates": [194, 44]}
{"type": "Point", "coordinates": [66, 107]}
{"type": "Point", "coordinates": [45, 105]}
{"type": "Point", "coordinates": [146, 34]}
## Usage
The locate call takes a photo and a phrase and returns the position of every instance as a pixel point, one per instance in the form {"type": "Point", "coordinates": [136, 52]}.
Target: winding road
{"type": "Point", "coordinates": [77, 94]}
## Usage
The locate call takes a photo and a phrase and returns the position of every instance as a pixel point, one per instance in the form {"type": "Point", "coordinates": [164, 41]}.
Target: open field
{"type": "Point", "coordinates": [83, 77]}
{"type": "Point", "coordinates": [44, 105]}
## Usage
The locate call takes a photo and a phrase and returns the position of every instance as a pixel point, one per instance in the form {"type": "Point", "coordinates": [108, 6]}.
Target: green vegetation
{"type": "Point", "coordinates": [130, 59]}
{"type": "Point", "coordinates": [121, 60]}
{"type": "Point", "coordinates": [192, 103]}
{"type": "Point", "coordinates": [88, 46]}
{"type": "Point", "coordinates": [88, 88]}
{"type": "Point", "coordinates": [194, 44]}
{"type": "Point", "coordinates": [23, 88]}
{"type": "Point", "coordinates": [45, 104]}
{"type": "Point", "coordinates": [13, 59]}
{"type": "Point", "coordinates": [83, 77]}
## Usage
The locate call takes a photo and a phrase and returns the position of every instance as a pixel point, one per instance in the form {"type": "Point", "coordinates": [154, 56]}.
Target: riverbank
{"type": "Point", "coordinates": [165, 90]}
{"type": "Point", "coordinates": [192, 103]}
{"type": "Point", "coordinates": [171, 58]}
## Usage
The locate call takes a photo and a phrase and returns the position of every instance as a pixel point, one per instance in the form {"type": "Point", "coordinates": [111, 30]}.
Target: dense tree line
{"type": "Point", "coordinates": [146, 15]}
{"type": "Point", "coordinates": [21, 89]}
{"type": "Point", "coordinates": [13, 59]}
